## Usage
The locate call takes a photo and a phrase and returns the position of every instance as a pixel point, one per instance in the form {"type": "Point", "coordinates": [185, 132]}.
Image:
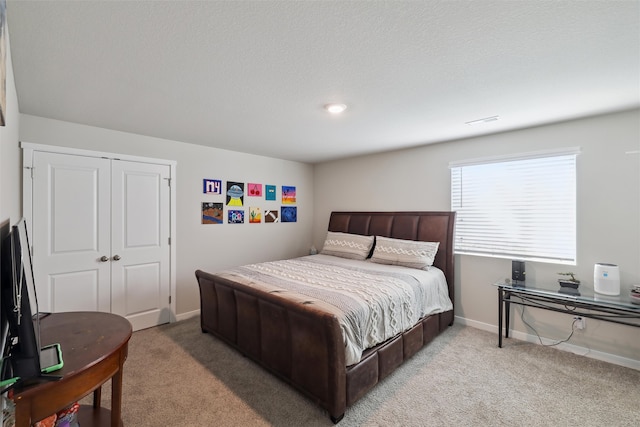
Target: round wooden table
{"type": "Point", "coordinates": [94, 348]}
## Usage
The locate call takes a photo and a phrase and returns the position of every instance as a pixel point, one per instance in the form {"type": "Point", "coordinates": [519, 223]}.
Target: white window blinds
{"type": "Point", "coordinates": [521, 207]}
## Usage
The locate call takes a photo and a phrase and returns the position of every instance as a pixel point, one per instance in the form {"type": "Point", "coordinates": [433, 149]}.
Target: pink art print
{"type": "Point", "coordinates": [254, 190]}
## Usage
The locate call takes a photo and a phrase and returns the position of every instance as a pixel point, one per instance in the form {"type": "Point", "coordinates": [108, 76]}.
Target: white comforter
{"type": "Point", "coordinates": [373, 302]}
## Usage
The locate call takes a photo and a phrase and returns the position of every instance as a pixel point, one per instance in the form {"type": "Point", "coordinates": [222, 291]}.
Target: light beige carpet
{"type": "Point", "coordinates": [176, 375]}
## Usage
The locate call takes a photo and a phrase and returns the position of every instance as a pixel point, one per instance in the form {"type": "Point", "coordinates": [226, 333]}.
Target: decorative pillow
{"type": "Point", "coordinates": [408, 253]}
{"type": "Point", "coordinates": [347, 245]}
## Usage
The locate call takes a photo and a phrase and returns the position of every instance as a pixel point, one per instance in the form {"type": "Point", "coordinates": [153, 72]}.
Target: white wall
{"type": "Point", "coordinates": [608, 227]}
{"type": "Point", "coordinates": [10, 156]}
{"type": "Point", "coordinates": [207, 247]}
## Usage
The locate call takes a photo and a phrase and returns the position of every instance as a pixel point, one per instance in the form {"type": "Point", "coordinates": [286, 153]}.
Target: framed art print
{"type": "Point", "coordinates": [271, 215]}
{"type": "Point", "coordinates": [254, 190]}
{"type": "Point", "coordinates": [236, 216]}
{"type": "Point", "coordinates": [212, 213]}
{"type": "Point", "coordinates": [270, 192]}
{"type": "Point", "coordinates": [289, 214]}
{"type": "Point", "coordinates": [288, 195]}
{"type": "Point", "coordinates": [211, 186]}
{"type": "Point", "coordinates": [235, 193]}
{"type": "Point", "coordinates": [255, 215]}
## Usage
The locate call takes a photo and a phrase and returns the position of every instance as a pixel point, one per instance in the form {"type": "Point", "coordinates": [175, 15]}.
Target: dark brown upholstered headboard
{"type": "Point", "coordinates": [422, 226]}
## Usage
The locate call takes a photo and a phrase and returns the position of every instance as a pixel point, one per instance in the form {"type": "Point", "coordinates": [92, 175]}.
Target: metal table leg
{"type": "Point", "coordinates": [500, 312]}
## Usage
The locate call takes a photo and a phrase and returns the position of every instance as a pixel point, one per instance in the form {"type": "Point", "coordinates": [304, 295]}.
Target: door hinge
{"type": "Point", "coordinates": [30, 170]}
{"type": "Point", "coordinates": [169, 299]}
{"type": "Point", "coordinates": [168, 181]}
{"type": "Point", "coordinates": [169, 241]}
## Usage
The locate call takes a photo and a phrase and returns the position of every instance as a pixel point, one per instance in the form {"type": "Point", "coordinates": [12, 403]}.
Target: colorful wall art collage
{"type": "Point", "coordinates": [252, 202]}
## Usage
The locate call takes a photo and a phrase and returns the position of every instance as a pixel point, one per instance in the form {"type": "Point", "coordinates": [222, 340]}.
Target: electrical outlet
{"type": "Point", "coordinates": [579, 322]}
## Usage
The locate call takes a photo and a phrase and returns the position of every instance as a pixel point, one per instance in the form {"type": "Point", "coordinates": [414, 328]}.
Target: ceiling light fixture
{"type": "Point", "coordinates": [481, 121]}
{"type": "Point", "coordinates": [335, 108]}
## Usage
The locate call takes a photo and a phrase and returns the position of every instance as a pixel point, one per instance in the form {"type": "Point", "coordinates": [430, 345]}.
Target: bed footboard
{"type": "Point", "coordinates": [297, 342]}
{"type": "Point", "coordinates": [303, 345]}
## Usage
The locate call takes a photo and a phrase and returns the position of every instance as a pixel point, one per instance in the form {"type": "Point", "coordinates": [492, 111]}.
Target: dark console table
{"type": "Point", "coordinates": [580, 302]}
{"type": "Point", "coordinates": [94, 348]}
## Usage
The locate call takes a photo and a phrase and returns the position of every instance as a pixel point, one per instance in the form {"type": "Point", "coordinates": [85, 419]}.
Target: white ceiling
{"type": "Point", "coordinates": [253, 76]}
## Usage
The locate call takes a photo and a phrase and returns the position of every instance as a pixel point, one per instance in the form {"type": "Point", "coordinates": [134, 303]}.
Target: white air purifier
{"type": "Point", "coordinates": [606, 279]}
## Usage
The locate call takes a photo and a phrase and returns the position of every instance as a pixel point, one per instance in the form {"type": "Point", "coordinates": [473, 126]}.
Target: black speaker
{"type": "Point", "coordinates": [517, 271]}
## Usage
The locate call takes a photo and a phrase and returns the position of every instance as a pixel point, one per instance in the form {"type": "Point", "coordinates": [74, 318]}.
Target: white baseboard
{"type": "Point", "coordinates": [582, 351]}
{"type": "Point", "coordinates": [187, 315]}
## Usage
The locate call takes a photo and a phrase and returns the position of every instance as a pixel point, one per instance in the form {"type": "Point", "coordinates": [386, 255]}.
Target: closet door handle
{"type": "Point", "coordinates": [104, 258]}
{"type": "Point", "coordinates": [116, 257]}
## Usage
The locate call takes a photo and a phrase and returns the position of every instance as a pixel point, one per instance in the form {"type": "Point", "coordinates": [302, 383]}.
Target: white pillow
{"type": "Point", "coordinates": [408, 253]}
{"type": "Point", "coordinates": [345, 245]}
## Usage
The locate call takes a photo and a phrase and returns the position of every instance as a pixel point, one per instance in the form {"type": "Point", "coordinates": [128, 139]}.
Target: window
{"type": "Point", "coordinates": [517, 207]}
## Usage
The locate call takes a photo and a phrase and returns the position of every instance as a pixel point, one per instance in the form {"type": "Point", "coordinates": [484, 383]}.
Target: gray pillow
{"type": "Point", "coordinates": [345, 245]}
{"type": "Point", "coordinates": [408, 253]}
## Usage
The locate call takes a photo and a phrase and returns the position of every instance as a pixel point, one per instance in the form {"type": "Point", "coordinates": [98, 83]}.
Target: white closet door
{"type": "Point", "coordinates": [140, 260]}
{"type": "Point", "coordinates": [71, 232]}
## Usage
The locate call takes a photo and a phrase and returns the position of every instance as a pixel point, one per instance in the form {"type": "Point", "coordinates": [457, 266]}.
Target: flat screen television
{"type": "Point", "coordinates": [24, 361]}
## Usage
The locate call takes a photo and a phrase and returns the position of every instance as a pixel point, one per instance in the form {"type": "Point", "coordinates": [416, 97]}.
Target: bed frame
{"type": "Point", "coordinates": [302, 344]}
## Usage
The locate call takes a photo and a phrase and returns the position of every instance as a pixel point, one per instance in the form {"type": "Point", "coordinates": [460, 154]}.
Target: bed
{"type": "Point", "coordinates": [301, 338]}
